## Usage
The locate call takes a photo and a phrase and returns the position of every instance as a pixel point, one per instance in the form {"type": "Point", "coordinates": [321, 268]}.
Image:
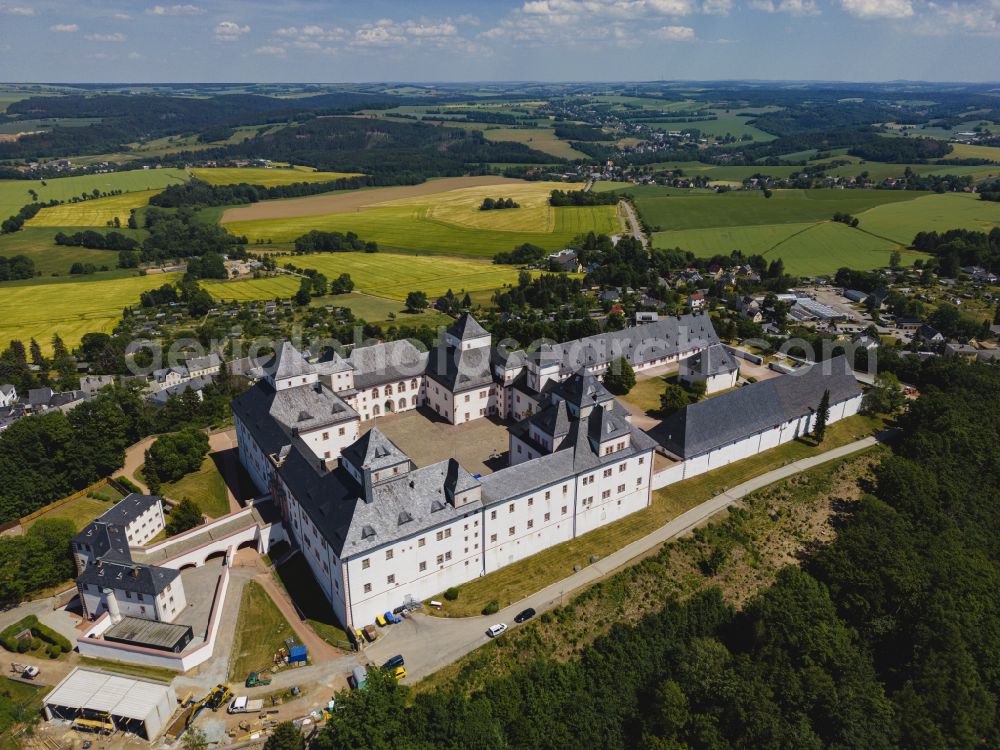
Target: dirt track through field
{"type": "Point", "coordinates": [354, 200]}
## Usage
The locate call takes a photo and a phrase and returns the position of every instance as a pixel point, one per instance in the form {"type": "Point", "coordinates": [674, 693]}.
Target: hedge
{"type": "Point", "coordinates": [39, 633]}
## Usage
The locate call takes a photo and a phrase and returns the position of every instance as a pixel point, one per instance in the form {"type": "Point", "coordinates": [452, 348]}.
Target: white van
{"type": "Point", "coordinates": [496, 630]}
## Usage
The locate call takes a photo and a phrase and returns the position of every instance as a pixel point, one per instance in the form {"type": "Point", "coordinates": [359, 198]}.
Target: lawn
{"type": "Point", "coordinates": [901, 221]}
{"type": "Point", "coordinates": [300, 583]}
{"type": "Point", "coordinates": [384, 275]}
{"type": "Point", "coordinates": [724, 124]}
{"type": "Point", "coordinates": [51, 259]}
{"type": "Point", "coordinates": [542, 139]}
{"type": "Point", "coordinates": [364, 306]}
{"type": "Point", "coordinates": [262, 176]}
{"type": "Point", "coordinates": [205, 487]}
{"type": "Point", "coordinates": [70, 308]}
{"type": "Point", "coordinates": [514, 582]}
{"type": "Point", "coordinates": [80, 511]}
{"type": "Point", "coordinates": [14, 193]}
{"type": "Point", "coordinates": [450, 222]}
{"type": "Point", "coordinates": [92, 213]}
{"type": "Point", "coordinates": [19, 702]}
{"type": "Point", "coordinates": [161, 674]}
{"type": "Point", "coordinates": [261, 630]}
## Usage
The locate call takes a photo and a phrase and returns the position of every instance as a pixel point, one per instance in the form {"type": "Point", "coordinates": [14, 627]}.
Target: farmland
{"type": "Point", "coordinates": [51, 259]}
{"type": "Point", "coordinates": [901, 221]}
{"type": "Point", "coordinates": [381, 275]}
{"type": "Point", "coordinates": [447, 223]}
{"type": "Point", "coordinates": [71, 308]}
{"type": "Point", "coordinates": [543, 139]}
{"type": "Point", "coordinates": [265, 177]}
{"type": "Point", "coordinates": [14, 193]}
{"type": "Point", "coordinates": [739, 208]}
{"type": "Point", "coordinates": [92, 213]}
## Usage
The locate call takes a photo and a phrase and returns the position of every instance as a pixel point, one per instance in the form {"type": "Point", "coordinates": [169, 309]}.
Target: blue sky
{"type": "Point", "coordinates": [554, 40]}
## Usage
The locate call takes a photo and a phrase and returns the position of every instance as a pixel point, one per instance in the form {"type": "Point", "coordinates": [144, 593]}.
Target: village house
{"type": "Point", "coordinates": [8, 395]}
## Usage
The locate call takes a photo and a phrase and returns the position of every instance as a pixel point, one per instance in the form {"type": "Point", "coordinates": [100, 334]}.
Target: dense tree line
{"type": "Point", "coordinates": [956, 248]}
{"type": "Point", "coordinates": [525, 254]}
{"type": "Point", "coordinates": [37, 560]}
{"type": "Point", "coordinates": [497, 204]}
{"type": "Point", "coordinates": [199, 193]}
{"type": "Point", "coordinates": [173, 456]}
{"type": "Point", "coordinates": [318, 241]}
{"type": "Point", "coordinates": [16, 267]}
{"type": "Point", "coordinates": [902, 150]}
{"type": "Point", "coordinates": [582, 198]}
{"type": "Point", "coordinates": [885, 638]}
{"type": "Point", "coordinates": [540, 292]}
{"type": "Point", "coordinates": [15, 222]}
{"type": "Point", "coordinates": [97, 240]}
{"type": "Point", "coordinates": [49, 456]}
{"type": "Point", "coordinates": [990, 191]}
{"type": "Point", "coordinates": [181, 234]}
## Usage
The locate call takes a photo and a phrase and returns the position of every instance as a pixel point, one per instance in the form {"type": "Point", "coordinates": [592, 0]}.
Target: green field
{"type": "Point", "coordinates": [386, 275]}
{"type": "Point", "coordinates": [14, 193]}
{"type": "Point", "coordinates": [749, 207]}
{"type": "Point", "coordinates": [266, 177]}
{"type": "Point", "coordinates": [901, 221]}
{"type": "Point", "coordinates": [364, 306]}
{"type": "Point", "coordinates": [724, 124]}
{"type": "Point", "coordinates": [450, 222]}
{"type": "Point", "coordinates": [92, 213]}
{"type": "Point", "coordinates": [205, 487]}
{"type": "Point", "coordinates": [70, 308]}
{"type": "Point", "coordinates": [50, 258]}
{"type": "Point", "coordinates": [542, 139]}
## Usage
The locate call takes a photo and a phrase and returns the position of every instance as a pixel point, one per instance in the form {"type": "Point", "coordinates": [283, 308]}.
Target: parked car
{"type": "Point", "coordinates": [525, 615]}
{"type": "Point", "coordinates": [399, 673]}
{"type": "Point", "coordinates": [497, 629]}
{"type": "Point", "coordinates": [396, 661]}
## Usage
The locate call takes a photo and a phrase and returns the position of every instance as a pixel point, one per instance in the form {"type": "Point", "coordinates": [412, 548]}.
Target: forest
{"type": "Point", "coordinates": [885, 638]}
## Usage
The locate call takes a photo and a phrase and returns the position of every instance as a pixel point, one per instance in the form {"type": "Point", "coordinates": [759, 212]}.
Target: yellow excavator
{"type": "Point", "coordinates": [217, 697]}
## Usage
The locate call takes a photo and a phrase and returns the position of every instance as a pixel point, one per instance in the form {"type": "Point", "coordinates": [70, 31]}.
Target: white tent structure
{"type": "Point", "coordinates": [100, 701]}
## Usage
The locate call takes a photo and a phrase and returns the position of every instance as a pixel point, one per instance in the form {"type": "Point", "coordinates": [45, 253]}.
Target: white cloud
{"type": "Point", "coordinates": [16, 10]}
{"type": "Point", "coordinates": [878, 8]}
{"type": "Point", "coordinates": [175, 10]}
{"type": "Point", "coordinates": [64, 28]}
{"type": "Point", "coordinates": [136, 56]}
{"type": "Point", "coordinates": [230, 31]}
{"type": "Point", "coordinates": [981, 18]}
{"type": "Point", "coordinates": [792, 7]}
{"type": "Point", "coordinates": [116, 37]}
{"type": "Point", "coordinates": [121, 16]}
{"type": "Point", "coordinates": [273, 51]}
{"type": "Point", "coordinates": [717, 7]}
{"type": "Point", "coordinates": [675, 33]}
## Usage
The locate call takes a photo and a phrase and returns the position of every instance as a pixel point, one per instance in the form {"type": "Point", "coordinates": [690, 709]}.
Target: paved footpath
{"type": "Point", "coordinates": [429, 643]}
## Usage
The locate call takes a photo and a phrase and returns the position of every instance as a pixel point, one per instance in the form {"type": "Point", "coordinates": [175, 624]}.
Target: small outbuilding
{"type": "Point", "coordinates": [714, 366]}
{"type": "Point", "coordinates": [100, 701]}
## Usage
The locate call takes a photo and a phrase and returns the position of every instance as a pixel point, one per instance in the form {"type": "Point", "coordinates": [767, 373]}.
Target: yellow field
{"type": "Point", "coordinates": [450, 222]}
{"type": "Point", "coordinates": [266, 177]}
{"type": "Point", "coordinates": [92, 213]}
{"type": "Point", "coordinates": [70, 309]}
{"type": "Point", "coordinates": [541, 139]}
{"type": "Point", "coordinates": [386, 275]}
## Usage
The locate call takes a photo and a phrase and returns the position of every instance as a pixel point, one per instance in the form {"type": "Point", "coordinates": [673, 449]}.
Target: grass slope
{"type": "Point", "coordinates": [261, 630]}
{"type": "Point", "coordinates": [542, 139]}
{"type": "Point", "coordinates": [205, 487]}
{"type": "Point", "coordinates": [92, 213]}
{"type": "Point", "coordinates": [266, 177]}
{"type": "Point", "coordinates": [50, 258]}
{"type": "Point", "coordinates": [901, 221]}
{"type": "Point", "coordinates": [70, 308]}
{"type": "Point", "coordinates": [14, 193]}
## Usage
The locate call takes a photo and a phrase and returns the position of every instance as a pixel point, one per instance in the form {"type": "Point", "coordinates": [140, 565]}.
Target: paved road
{"type": "Point", "coordinates": [429, 643]}
{"type": "Point", "coordinates": [633, 223]}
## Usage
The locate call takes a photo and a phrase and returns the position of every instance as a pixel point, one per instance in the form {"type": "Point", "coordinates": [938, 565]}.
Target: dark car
{"type": "Point", "coordinates": [525, 615]}
{"type": "Point", "coordinates": [396, 661]}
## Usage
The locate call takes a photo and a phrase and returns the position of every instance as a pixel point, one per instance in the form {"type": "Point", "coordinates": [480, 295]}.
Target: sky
{"type": "Point", "coordinates": [335, 41]}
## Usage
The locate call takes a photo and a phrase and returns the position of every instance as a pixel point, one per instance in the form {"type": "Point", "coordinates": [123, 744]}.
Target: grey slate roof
{"type": "Point", "coordinates": [582, 389]}
{"type": "Point", "coordinates": [467, 327]}
{"type": "Point", "coordinates": [733, 416]}
{"type": "Point", "coordinates": [715, 360]}
{"type": "Point", "coordinates": [459, 370]}
{"type": "Point", "coordinates": [288, 362]}
{"type": "Point", "coordinates": [386, 363]}
{"type": "Point", "coordinates": [374, 451]}
{"type": "Point", "coordinates": [667, 337]}
{"type": "Point", "coordinates": [195, 384]}
{"type": "Point", "coordinates": [127, 510]}
{"type": "Point", "coordinates": [141, 579]}
{"type": "Point", "coordinates": [202, 363]}
{"type": "Point", "coordinates": [106, 541]}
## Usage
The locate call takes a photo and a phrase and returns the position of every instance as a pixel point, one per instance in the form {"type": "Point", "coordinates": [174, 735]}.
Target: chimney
{"type": "Point", "coordinates": [112, 605]}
